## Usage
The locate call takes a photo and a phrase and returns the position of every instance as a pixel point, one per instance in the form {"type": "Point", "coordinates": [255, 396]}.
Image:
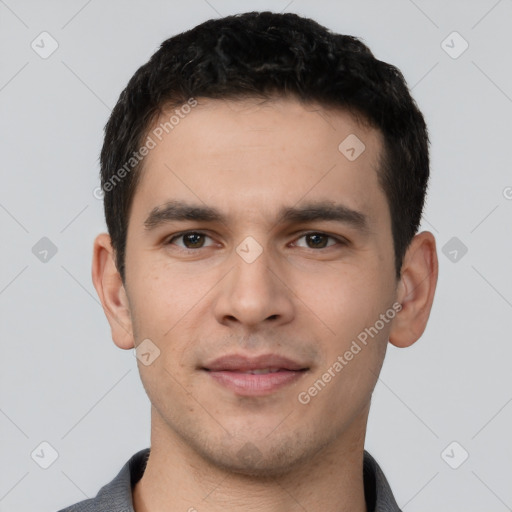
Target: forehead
{"type": "Point", "coordinates": [253, 156]}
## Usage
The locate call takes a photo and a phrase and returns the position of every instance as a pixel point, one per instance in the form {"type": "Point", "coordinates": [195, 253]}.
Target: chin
{"type": "Point", "coordinates": [262, 459]}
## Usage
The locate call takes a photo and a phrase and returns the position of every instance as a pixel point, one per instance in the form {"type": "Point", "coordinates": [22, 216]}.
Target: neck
{"type": "Point", "coordinates": [178, 478]}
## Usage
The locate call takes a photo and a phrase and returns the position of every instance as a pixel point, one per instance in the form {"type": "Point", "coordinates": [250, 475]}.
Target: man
{"type": "Point", "coordinates": [264, 182]}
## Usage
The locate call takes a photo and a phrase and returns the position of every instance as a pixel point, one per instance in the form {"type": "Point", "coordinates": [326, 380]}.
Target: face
{"type": "Point", "coordinates": [252, 237]}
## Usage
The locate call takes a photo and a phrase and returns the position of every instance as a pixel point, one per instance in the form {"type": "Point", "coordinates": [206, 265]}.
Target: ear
{"type": "Point", "coordinates": [415, 290]}
{"type": "Point", "coordinates": [111, 291]}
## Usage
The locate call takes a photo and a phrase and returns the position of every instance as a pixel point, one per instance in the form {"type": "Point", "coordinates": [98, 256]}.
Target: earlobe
{"type": "Point", "coordinates": [415, 290]}
{"type": "Point", "coordinates": [111, 291]}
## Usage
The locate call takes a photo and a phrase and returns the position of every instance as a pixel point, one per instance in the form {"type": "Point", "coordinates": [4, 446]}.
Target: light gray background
{"type": "Point", "coordinates": [63, 381]}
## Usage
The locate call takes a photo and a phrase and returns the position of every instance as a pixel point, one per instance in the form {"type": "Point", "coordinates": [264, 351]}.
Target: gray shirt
{"type": "Point", "coordinates": [116, 496]}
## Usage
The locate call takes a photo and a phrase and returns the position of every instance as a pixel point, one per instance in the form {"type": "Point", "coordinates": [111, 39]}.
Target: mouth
{"type": "Point", "coordinates": [254, 376]}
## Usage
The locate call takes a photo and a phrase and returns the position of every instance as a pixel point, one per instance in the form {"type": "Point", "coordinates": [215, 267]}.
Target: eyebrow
{"type": "Point", "coordinates": [173, 211]}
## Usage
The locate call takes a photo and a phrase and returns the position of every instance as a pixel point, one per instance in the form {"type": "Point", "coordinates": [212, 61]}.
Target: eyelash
{"type": "Point", "coordinates": [339, 241]}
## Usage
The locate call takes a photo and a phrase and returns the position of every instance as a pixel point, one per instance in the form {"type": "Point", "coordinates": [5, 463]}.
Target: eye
{"type": "Point", "coordinates": [191, 240]}
{"type": "Point", "coordinates": [315, 240]}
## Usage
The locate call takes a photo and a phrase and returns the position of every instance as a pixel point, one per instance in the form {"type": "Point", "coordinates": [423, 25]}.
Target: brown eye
{"type": "Point", "coordinates": [318, 240]}
{"type": "Point", "coordinates": [191, 240]}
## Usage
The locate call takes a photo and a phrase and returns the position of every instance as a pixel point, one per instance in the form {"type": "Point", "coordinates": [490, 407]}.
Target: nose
{"type": "Point", "coordinates": [254, 293]}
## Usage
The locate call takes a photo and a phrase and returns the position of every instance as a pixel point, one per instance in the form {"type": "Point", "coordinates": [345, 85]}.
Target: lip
{"type": "Point", "coordinates": [241, 363]}
{"type": "Point", "coordinates": [228, 372]}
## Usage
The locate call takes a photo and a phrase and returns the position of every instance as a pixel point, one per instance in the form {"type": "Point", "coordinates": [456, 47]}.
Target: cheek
{"type": "Point", "coordinates": [355, 345]}
{"type": "Point", "coordinates": [344, 301]}
{"type": "Point", "coordinates": [162, 298]}
{"type": "Point", "coordinates": [162, 311]}
{"type": "Point", "coordinates": [169, 307]}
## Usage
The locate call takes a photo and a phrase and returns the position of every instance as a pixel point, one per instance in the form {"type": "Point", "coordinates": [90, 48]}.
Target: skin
{"type": "Point", "coordinates": [210, 448]}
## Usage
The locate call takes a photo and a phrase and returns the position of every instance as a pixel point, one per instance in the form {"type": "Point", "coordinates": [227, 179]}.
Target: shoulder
{"type": "Point", "coordinates": [116, 496]}
{"type": "Point", "coordinates": [378, 494]}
